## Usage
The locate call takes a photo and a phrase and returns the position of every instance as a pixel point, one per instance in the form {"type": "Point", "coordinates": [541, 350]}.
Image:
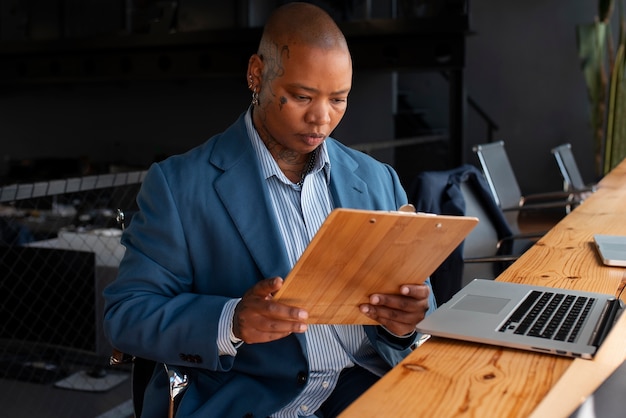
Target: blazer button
{"type": "Point", "coordinates": [301, 378]}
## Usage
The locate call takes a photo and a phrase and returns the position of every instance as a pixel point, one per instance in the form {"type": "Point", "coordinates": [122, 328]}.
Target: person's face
{"type": "Point", "coordinates": [303, 96]}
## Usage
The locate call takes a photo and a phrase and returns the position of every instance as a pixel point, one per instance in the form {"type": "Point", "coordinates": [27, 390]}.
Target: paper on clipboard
{"type": "Point", "coordinates": [357, 253]}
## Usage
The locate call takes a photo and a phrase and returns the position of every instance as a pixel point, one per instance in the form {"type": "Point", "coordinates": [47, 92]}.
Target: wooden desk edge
{"type": "Point", "coordinates": [582, 377]}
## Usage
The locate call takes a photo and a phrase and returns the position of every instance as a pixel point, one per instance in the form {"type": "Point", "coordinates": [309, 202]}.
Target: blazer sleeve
{"type": "Point", "coordinates": [151, 309]}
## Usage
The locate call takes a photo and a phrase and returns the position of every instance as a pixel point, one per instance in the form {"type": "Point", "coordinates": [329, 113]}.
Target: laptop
{"type": "Point", "coordinates": [549, 320]}
{"type": "Point", "coordinates": [612, 249]}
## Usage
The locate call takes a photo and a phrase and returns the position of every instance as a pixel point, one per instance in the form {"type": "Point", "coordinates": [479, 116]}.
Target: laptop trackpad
{"type": "Point", "coordinates": [484, 304]}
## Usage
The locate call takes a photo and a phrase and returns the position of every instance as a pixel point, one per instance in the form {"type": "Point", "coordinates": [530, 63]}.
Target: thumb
{"type": "Point", "coordinates": [268, 286]}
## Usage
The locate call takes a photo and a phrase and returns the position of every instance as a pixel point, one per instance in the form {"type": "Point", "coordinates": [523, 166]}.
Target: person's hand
{"type": "Point", "coordinates": [399, 313]}
{"type": "Point", "coordinates": [258, 319]}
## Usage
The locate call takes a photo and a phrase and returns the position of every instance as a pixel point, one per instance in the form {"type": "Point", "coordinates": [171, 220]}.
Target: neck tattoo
{"type": "Point", "coordinates": [308, 167]}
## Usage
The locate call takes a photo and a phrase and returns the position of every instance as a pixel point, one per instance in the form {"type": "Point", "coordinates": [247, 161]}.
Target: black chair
{"type": "Point", "coordinates": [141, 373]}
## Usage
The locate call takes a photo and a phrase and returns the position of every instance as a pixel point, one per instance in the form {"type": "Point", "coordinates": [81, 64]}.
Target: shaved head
{"type": "Point", "coordinates": [294, 26]}
{"type": "Point", "coordinates": [301, 24]}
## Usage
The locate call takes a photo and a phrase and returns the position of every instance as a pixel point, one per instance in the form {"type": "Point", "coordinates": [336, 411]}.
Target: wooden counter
{"type": "Point", "coordinates": [448, 378]}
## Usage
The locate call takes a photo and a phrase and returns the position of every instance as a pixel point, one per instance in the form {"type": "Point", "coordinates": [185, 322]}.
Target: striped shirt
{"type": "Point", "coordinates": [300, 210]}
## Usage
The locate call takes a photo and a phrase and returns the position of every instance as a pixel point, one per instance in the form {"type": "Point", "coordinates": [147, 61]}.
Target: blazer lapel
{"type": "Point", "coordinates": [244, 196]}
{"type": "Point", "coordinates": [348, 189]}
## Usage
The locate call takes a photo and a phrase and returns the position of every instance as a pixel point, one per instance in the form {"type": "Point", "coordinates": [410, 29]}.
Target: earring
{"type": "Point", "coordinates": [255, 97]}
{"type": "Point", "coordinates": [255, 94]}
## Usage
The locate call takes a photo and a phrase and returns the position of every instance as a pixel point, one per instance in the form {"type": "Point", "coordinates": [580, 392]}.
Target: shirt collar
{"type": "Point", "coordinates": [269, 166]}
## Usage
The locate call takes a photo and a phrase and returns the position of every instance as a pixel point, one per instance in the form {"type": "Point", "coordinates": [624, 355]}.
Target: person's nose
{"type": "Point", "coordinates": [319, 113]}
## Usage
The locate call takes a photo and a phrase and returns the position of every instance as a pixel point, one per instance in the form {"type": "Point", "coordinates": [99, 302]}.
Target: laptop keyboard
{"type": "Point", "coordinates": [551, 315]}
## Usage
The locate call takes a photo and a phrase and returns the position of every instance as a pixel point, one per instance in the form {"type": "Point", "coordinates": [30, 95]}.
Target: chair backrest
{"type": "Point", "coordinates": [483, 239]}
{"type": "Point", "coordinates": [482, 242]}
{"type": "Point", "coordinates": [499, 174]}
{"type": "Point", "coordinates": [572, 178]}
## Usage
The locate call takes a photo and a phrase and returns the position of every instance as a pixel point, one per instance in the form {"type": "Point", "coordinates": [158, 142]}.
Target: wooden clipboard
{"type": "Point", "coordinates": [356, 253]}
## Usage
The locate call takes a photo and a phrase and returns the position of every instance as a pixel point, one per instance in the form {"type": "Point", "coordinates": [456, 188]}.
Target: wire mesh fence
{"type": "Point", "coordinates": [59, 247]}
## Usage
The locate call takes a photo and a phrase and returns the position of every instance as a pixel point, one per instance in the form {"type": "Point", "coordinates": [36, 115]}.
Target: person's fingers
{"type": "Point", "coordinates": [399, 313]}
{"type": "Point", "coordinates": [254, 326]}
{"type": "Point", "coordinates": [259, 319]}
{"type": "Point", "coordinates": [266, 287]}
{"type": "Point", "coordinates": [412, 298]}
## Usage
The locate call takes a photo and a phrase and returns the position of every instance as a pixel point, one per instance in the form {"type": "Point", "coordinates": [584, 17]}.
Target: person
{"type": "Point", "coordinates": [220, 226]}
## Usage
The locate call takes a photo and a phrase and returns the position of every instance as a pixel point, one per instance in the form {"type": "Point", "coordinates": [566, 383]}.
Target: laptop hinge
{"type": "Point", "coordinates": [606, 322]}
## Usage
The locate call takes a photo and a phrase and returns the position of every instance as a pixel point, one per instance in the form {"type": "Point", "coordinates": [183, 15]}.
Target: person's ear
{"type": "Point", "coordinates": [254, 73]}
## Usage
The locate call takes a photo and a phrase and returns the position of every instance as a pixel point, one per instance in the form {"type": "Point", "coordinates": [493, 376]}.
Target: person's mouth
{"type": "Point", "coordinates": [313, 138]}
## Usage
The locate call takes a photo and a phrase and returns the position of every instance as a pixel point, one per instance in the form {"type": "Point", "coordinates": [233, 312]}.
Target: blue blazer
{"type": "Point", "coordinates": [205, 232]}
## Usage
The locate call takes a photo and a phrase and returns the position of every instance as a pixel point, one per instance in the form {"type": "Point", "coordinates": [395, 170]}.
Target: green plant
{"type": "Point", "coordinates": [604, 67]}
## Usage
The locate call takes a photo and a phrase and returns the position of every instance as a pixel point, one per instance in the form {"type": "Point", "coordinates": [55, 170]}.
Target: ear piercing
{"type": "Point", "coordinates": [255, 94]}
{"type": "Point", "coordinates": [255, 97]}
